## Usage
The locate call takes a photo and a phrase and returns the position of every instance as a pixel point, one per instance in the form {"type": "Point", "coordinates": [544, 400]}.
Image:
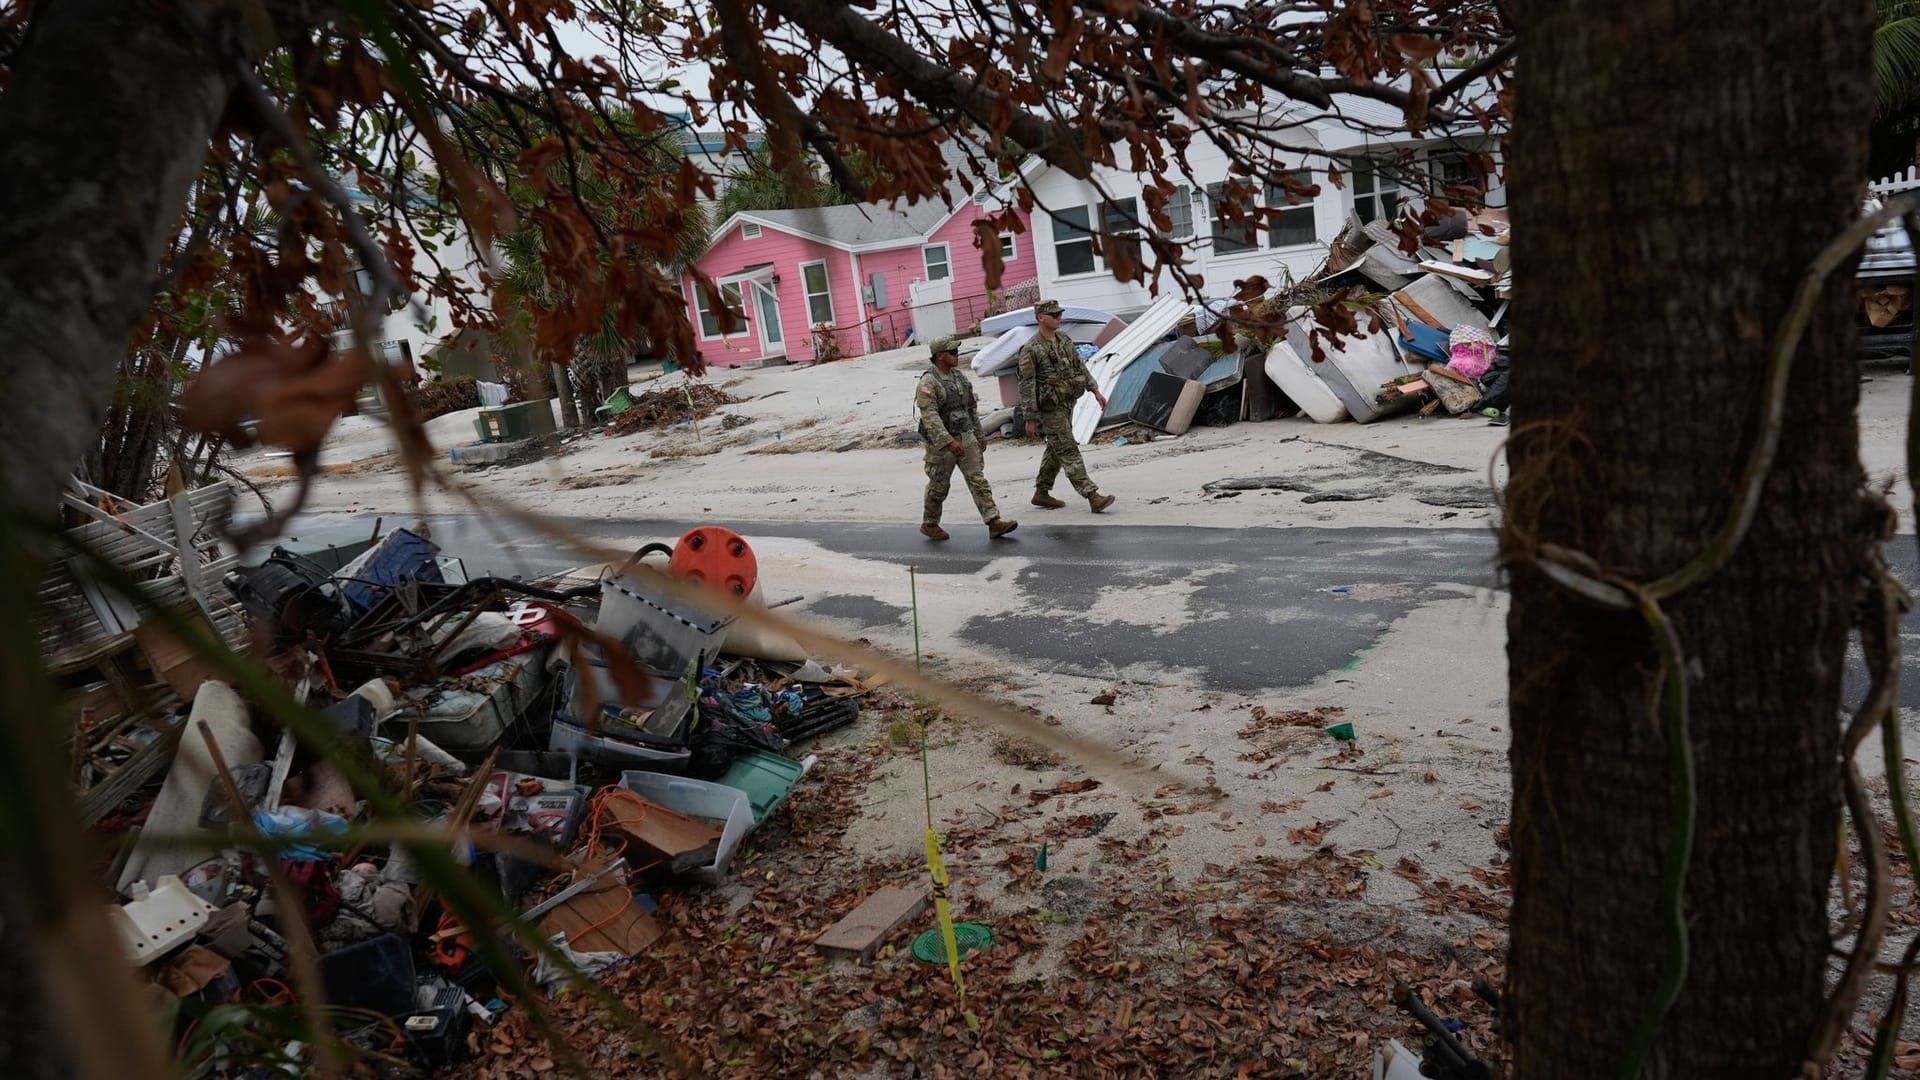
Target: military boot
{"type": "Point", "coordinates": [1045, 500]}
{"type": "Point", "coordinates": [932, 530]}
{"type": "Point", "coordinates": [1099, 502]}
{"type": "Point", "coordinates": [1000, 527]}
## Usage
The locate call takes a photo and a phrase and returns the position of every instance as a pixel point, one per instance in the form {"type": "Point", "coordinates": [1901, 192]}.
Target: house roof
{"type": "Point", "coordinates": [859, 224]}
{"type": "Point", "coordinates": [871, 225]}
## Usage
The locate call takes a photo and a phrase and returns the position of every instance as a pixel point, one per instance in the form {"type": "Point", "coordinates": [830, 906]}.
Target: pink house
{"type": "Point", "coordinates": [847, 280]}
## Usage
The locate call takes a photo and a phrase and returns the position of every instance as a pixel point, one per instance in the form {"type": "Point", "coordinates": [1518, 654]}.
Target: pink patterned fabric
{"type": "Point", "coordinates": [1470, 350]}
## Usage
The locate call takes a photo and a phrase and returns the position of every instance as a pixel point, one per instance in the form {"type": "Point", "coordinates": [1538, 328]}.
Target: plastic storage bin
{"type": "Point", "coordinates": [662, 633]}
{"type": "Point", "coordinates": [766, 778]}
{"type": "Point", "coordinates": [699, 799]}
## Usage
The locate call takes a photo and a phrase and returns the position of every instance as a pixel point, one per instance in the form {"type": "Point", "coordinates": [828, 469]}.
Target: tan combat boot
{"type": "Point", "coordinates": [932, 530]}
{"type": "Point", "coordinates": [1045, 500]}
{"type": "Point", "coordinates": [1099, 502]}
{"type": "Point", "coordinates": [1000, 527]}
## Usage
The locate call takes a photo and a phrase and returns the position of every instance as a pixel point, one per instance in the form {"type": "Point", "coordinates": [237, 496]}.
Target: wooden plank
{"type": "Point", "coordinates": [607, 919]}
{"type": "Point", "coordinates": [182, 668]}
{"type": "Point", "coordinates": [867, 927]}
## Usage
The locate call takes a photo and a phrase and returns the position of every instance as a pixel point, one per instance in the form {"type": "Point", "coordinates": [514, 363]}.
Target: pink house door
{"type": "Point", "coordinates": [767, 306]}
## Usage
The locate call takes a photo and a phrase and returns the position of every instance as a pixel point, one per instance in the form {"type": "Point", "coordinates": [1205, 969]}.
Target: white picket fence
{"type": "Point", "coordinates": [1905, 181]}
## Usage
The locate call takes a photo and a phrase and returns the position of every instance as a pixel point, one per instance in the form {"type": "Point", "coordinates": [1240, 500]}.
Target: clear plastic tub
{"type": "Point", "coordinates": [699, 799]}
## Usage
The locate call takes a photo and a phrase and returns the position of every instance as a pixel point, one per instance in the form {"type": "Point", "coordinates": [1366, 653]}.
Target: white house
{"type": "Point", "coordinates": [1220, 248]}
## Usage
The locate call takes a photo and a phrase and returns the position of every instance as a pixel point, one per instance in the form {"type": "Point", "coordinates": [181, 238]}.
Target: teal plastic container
{"type": "Point", "coordinates": [766, 778]}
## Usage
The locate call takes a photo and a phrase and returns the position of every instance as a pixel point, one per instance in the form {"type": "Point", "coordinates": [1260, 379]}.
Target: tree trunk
{"type": "Point", "coordinates": [563, 389]}
{"type": "Point", "coordinates": [106, 119]}
{"type": "Point", "coordinates": [1665, 210]}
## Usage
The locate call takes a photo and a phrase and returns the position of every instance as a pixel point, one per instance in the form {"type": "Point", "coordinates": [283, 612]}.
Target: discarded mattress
{"type": "Point", "coordinates": [1008, 320]}
{"type": "Point", "coordinates": [999, 354]}
{"type": "Point", "coordinates": [1296, 378]}
{"type": "Point", "coordinates": [1153, 324]}
{"type": "Point", "coordinates": [1356, 373]}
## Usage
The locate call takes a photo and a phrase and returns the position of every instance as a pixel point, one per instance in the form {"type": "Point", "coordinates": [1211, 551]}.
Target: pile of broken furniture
{"type": "Point", "coordinates": [1168, 370]}
{"type": "Point", "coordinates": [638, 736]}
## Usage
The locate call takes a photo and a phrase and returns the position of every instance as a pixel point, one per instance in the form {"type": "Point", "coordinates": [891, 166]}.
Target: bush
{"type": "Point", "coordinates": [442, 396]}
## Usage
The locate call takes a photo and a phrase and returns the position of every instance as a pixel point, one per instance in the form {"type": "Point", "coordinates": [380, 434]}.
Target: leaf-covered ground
{"type": "Point", "coordinates": [1275, 966]}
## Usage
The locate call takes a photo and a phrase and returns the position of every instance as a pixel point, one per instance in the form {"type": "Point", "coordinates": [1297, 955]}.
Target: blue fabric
{"type": "Point", "coordinates": [1427, 342]}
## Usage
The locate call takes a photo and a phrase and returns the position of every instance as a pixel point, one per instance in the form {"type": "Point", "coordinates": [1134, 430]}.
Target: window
{"type": "Point", "coordinates": [1072, 241]}
{"type": "Point", "coordinates": [1453, 168]}
{"type": "Point", "coordinates": [1009, 251]}
{"type": "Point", "coordinates": [819, 293]}
{"type": "Point", "coordinates": [1120, 222]}
{"type": "Point", "coordinates": [1376, 195]}
{"type": "Point", "coordinates": [1291, 220]}
{"type": "Point", "coordinates": [934, 257]}
{"type": "Point", "coordinates": [709, 319]}
{"type": "Point", "coordinates": [1180, 212]}
{"type": "Point", "coordinates": [1232, 234]}
{"type": "Point", "coordinates": [749, 231]}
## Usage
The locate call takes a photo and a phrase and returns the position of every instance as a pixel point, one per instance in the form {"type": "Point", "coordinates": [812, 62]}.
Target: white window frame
{"type": "Point", "coordinates": [728, 293]}
{"type": "Point", "coordinates": [927, 263]}
{"type": "Point", "coordinates": [1250, 223]}
{"type": "Point", "coordinates": [749, 230]}
{"type": "Point", "coordinates": [806, 287]}
{"type": "Point", "coordinates": [1379, 186]}
{"type": "Point", "coordinates": [1009, 247]}
{"type": "Point", "coordinates": [1276, 197]}
{"type": "Point", "coordinates": [1181, 200]}
{"type": "Point", "coordinates": [1084, 236]}
{"type": "Point", "coordinates": [1115, 227]}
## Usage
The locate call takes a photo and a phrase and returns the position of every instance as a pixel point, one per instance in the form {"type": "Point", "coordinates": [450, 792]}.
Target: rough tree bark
{"type": "Point", "coordinates": [1675, 168]}
{"type": "Point", "coordinates": [106, 121]}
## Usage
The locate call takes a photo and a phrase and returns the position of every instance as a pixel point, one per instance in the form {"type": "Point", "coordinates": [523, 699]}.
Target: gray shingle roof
{"type": "Point", "coordinates": [872, 222]}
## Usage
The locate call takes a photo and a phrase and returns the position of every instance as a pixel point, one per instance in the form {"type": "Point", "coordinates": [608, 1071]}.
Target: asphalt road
{"type": "Point", "coordinates": [1270, 607]}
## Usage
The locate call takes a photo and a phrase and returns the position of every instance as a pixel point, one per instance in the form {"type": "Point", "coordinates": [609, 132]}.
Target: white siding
{"type": "Point", "coordinates": [1054, 189]}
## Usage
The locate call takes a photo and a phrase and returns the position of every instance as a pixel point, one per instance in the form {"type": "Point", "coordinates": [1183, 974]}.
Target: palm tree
{"type": "Point", "coordinates": [524, 281]}
{"type": "Point", "coordinates": [1896, 54]}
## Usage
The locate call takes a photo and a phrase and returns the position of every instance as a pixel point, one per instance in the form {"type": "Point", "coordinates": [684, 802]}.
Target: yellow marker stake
{"type": "Point", "coordinates": [939, 871]}
{"type": "Point", "coordinates": [936, 868]}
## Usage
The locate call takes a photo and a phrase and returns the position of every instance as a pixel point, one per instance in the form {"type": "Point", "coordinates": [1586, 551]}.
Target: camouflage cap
{"type": "Point", "coordinates": [1047, 307]}
{"type": "Point", "coordinates": [944, 345]}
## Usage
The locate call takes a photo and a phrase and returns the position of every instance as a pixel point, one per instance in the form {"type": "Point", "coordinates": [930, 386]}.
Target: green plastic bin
{"type": "Point", "coordinates": [520, 420]}
{"type": "Point", "coordinates": [766, 778]}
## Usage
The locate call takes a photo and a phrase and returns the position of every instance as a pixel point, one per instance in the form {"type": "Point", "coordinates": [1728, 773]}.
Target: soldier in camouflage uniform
{"type": "Point", "coordinates": [950, 423]}
{"type": "Point", "coordinates": [1052, 378]}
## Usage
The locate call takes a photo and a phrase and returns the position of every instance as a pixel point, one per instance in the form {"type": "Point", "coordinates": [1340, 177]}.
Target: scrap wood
{"type": "Point", "coordinates": [1455, 391]}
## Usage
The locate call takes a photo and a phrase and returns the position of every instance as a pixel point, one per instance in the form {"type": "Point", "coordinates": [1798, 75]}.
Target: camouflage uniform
{"type": "Point", "coordinates": [1052, 378]}
{"type": "Point", "coordinates": [948, 412]}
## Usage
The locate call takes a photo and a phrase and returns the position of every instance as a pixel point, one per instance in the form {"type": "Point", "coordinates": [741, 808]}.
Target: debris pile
{"type": "Point", "coordinates": [687, 404]}
{"type": "Point", "coordinates": [572, 751]}
{"type": "Point", "coordinates": [1386, 327]}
